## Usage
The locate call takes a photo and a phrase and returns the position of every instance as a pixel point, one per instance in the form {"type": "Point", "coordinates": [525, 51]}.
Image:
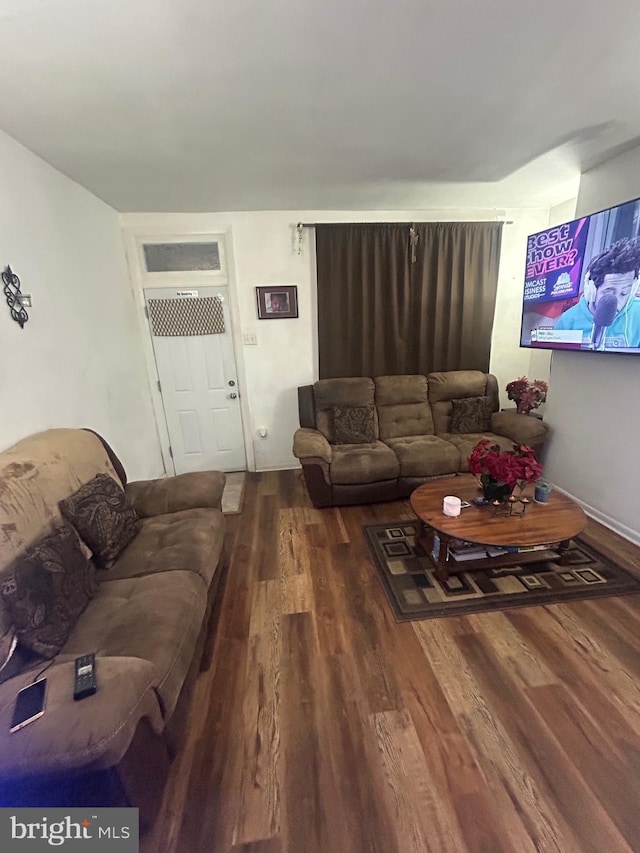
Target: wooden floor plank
{"type": "Point", "coordinates": [421, 821]}
{"type": "Point", "coordinates": [592, 753]}
{"type": "Point", "coordinates": [294, 562]}
{"type": "Point", "coordinates": [324, 726]}
{"type": "Point", "coordinates": [540, 753]}
{"type": "Point", "coordinates": [527, 820]}
{"type": "Point", "coordinates": [583, 681]}
{"type": "Point", "coordinates": [512, 649]}
{"type": "Point", "coordinates": [455, 776]}
{"type": "Point", "coordinates": [360, 820]}
{"type": "Point", "coordinates": [306, 824]}
{"type": "Point", "coordinates": [258, 796]}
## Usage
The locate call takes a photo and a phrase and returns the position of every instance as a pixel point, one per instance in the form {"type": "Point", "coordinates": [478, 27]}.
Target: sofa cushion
{"type": "Point", "coordinates": [156, 618]}
{"type": "Point", "coordinates": [46, 589]}
{"type": "Point", "coordinates": [471, 414]}
{"type": "Point", "coordinates": [456, 385]}
{"type": "Point", "coordinates": [363, 463]}
{"type": "Point", "coordinates": [103, 516]}
{"type": "Point", "coordinates": [343, 392]}
{"type": "Point", "coordinates": [425, 455]}
{"type": "Point", "coordinates": [467, 441]}
{"type": "Point", "coordinates": [92, 734]}
{"type": "Point", "coordinates": [37, 473]}
{"type": "Point", "coordinates": [194, 489]}
{"type": "Point", "coordinates": [453, 384]}
{"type": "Point", "coordinates": [353, 424]}
{"type": "Point", "coordinates": [190, 540]}
{"type": "Point", "coordinates": [402, 404]}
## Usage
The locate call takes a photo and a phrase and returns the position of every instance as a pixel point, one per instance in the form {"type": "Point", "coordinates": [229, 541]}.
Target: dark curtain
{"type": "Point", "coordinates": [388, 304]}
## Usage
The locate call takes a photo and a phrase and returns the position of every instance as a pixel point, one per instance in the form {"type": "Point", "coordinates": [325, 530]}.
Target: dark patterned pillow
{"type": "Point", "coordinates": [104, 518]}
{"type": "Point", "coordinates": [471, 414]}
{"type": "Point", "coordinates": [46, 589]}
{"type": "Point", "coordinates": [355, 425]}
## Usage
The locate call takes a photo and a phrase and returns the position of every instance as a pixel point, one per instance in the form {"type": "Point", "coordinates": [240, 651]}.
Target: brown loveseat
{"type": "Point", "coordinates": [148, 625]}
{"type": "Point", "coordinates": [409, 429]}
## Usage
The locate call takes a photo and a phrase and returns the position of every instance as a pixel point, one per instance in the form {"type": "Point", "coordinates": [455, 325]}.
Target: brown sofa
{"type": "Point", "coordinates": [418, 432]}
{"type": "Point", "coordinates": [148, 625]}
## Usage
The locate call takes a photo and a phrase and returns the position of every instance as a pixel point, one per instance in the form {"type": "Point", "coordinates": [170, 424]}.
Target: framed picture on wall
{"type": "Point", "coordinates": [277, 302]}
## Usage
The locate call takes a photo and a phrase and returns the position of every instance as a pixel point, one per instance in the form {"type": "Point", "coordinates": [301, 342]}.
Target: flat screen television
{"type": "Point", "coordinates": [581, 289]}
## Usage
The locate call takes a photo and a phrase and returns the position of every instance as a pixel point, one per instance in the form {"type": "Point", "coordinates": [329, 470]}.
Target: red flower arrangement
{"type": "Point", "coordinates": [526, 394]}
{"type": "Point", "coordinates": [514, 467]}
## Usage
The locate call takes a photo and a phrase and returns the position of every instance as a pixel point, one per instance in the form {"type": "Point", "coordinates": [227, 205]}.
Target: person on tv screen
{"type": "Point", "coordinates": [608, 312]}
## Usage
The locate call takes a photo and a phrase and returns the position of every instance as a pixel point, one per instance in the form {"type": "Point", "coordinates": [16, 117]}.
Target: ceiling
{"type": "Point", "coordinates": [189, 105]}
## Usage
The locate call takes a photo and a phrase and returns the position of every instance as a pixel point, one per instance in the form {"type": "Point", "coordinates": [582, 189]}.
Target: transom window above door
{"type": "Point", "coordinates": [202, 256]}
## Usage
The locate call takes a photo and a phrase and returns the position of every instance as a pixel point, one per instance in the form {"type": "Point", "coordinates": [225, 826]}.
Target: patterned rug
{"type": "Point", "coordinates": [407, 575]}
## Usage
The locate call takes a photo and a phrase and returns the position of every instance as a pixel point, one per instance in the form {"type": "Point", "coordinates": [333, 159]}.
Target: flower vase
{"type": "Point", "coordinates": [496, 491]}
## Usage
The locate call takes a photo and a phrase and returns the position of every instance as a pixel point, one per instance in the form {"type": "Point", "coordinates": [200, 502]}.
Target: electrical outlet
{"type": "Point", "coordinates": [250, 339]}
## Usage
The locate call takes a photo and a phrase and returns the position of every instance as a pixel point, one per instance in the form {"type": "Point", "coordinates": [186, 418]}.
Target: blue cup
{"type": "Point", "coordinates": [542, 492]}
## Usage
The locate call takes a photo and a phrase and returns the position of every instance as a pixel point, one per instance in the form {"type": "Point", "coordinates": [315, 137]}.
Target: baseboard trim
{"type": "Point", "coordinates": [603, 518]}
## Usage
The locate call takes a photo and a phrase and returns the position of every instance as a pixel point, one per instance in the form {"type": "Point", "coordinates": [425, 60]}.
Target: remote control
{"type": "Point", "coordinates": [85, 683]}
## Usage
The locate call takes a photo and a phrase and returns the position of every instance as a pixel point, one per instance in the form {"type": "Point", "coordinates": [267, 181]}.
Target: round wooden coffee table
{"type": "Point", "coordinates": [552, 524]}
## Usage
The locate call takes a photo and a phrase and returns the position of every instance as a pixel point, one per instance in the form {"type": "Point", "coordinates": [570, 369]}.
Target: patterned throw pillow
{"type": "Point", "coordinates": [355, 425]}
{"type": "Point", "coordinates": [471, 414]}
{"type": "Point", "coordinates": [46, 589]}
{"type": "Point", "coordinates": [104, 518]}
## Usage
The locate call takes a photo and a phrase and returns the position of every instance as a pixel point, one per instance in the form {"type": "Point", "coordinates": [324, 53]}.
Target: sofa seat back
{"type": "Point", "coordinates": [455, 385]}
{"type": "Point", "coordinates": [403, 406]}
{"type": "Point", "coordinates": [35, 475]}
{"type": "Point", "coordinates": [345, 393]}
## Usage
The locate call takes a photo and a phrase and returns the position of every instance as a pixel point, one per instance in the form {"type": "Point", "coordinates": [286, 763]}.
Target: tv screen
{"type": "Point", "coordinates": [581, 284]}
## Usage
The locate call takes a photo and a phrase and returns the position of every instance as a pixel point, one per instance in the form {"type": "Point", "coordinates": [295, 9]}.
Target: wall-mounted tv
{"type": "Point", "coordinates": [581, 284]}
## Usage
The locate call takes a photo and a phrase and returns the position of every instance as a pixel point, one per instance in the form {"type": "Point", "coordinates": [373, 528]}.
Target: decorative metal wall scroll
{"type": "Point", "coordinates": [12, 293]}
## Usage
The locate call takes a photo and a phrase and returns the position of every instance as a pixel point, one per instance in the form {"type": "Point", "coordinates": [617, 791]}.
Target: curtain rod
{"type": "Point", "coordinates": [421, 221]}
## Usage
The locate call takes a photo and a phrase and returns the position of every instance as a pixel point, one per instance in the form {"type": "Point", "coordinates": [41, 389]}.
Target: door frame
{"type": "Point", "coordinates": [134, 237]}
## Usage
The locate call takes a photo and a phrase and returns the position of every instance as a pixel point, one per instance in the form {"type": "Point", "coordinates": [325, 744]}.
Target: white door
{"type": "Point", "coordinates": [193, 347]}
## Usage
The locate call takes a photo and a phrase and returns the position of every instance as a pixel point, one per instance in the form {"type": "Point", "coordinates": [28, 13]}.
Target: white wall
{"type": "Point", "coordinates": [264, 251]}
{"type": "Point", "coordinates": [594, 400]}
{"type": "Point", "coordinates": [508, 359]}
{"type": "Point", "coordinates": [78, 361]}
{"type": "Point", "coordinates": [536, 363]}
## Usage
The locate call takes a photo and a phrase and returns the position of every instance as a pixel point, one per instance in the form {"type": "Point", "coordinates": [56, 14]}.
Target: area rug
{"type": "Point", "coordinates": [407, 575]}
{"type": "Point", "coordinates": [233, 494]}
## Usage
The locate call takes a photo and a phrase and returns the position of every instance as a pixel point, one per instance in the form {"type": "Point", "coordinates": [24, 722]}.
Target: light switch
{"type": "Point", "coordinates": [250, 339]}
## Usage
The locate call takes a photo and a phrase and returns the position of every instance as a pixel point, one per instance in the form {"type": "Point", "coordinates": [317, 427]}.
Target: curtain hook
{"type": "Point", "coordinates": [413, 242]}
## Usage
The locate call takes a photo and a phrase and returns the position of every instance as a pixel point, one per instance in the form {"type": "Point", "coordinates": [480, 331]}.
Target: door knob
{"type": "Point", "coordinates": [231, 382]}
{"type": "Point", "coordinates": [233, 396]}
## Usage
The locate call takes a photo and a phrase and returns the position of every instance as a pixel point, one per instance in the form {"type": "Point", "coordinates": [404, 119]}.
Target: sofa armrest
{"type": "Point", "coordinates": [311, 442]}
{"type": "Point", "coordinates": [522, 429]}
{"type": "Point", "coordinates": [196, 490]}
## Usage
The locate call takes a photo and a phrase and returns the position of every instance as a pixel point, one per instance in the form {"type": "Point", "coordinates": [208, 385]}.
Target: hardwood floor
{"type": "Point", "coordinates": [323, 726]}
